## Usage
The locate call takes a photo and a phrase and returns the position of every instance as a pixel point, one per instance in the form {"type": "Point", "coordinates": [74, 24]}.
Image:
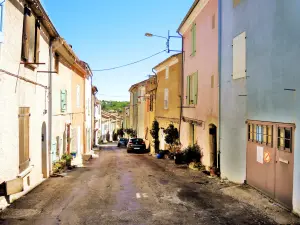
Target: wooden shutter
{"type": "Point", "coordinates": [37, 42]}
{"type": "Point", "coordinates": [188, 90]}
{"type": "Point", "coordinates": [63, 100]}
{"type": "Point", "coordinates": [195, 83]}
{"type": "Point", "coordinates": [25, 38]}
{"type": "Point", "coordinates": [194, 39]}
{"type": "Point", "coordinates": [24, 114]}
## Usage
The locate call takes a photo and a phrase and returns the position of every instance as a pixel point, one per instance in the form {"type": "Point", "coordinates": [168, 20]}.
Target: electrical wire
{"type": "Point", "coordinates": [129, 64]}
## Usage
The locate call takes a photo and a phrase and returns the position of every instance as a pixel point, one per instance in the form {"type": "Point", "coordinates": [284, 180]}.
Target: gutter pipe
{"type": "Point", "coordinates": [182, 76]}
{"type": "Point", "coordinates": [50, 108]}
{"type": "Point", "coordinates": [219, 74]}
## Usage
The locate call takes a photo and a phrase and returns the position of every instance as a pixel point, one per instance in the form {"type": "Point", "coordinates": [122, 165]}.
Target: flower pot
{"type": "Point", "coordinates": [74, 154]}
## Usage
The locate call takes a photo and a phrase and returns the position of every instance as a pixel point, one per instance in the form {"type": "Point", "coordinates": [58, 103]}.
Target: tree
{"type": "Point", "coordinates": [120, 132]}
{"type": "Point", "coordinates": [155, 135]}
{"type": "Point", "coordinates": [172, 136]}
{"type": "Point", "coordinates": [107, 136]}
{"type": "Point", "coordinates": [130, 132]}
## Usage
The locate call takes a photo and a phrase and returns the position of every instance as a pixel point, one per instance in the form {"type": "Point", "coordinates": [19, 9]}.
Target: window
{"type": "Point", "coordinates": [212, 81]}
{"type": "Point", "coordinates": [166, 99]}
{"type": "Point", "coordinates": [192, 89]}
{"type": "Point", "coordinates": [167, 72]}
{"type": "Point", "coordinates": [284, 139]}
{"type": "Point", "coordinates": [63, 100]}
{"type": "Point", "coordinates": [78, 96]}
{"type": "Point", "coordinates": [193, 33]}
{"type": "Point", "coordinates": [31, 37]}
{"type": "Point", "coordinates": [56, 63]}
{"type": "Point", "coordinates": [236, 2]}
{"type": "Point", "coordinates": [213, 22]}
{"type": "Point", "coordinates": [151, 102]}
{"type": "Point", "coordinates": [239, 56]}
{"type": "Point", "coordinates": [1, 20]}
{"type": "Point", "coordinates": [24, 114]}
{"type": "Point", "coordinates": [259, 133]}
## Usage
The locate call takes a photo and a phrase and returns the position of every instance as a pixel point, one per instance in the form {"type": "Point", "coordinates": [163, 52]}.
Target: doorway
{"type": "Point", "coordinates": [213, 145]}
{"type": "Point", "coordinates": [44, 150]}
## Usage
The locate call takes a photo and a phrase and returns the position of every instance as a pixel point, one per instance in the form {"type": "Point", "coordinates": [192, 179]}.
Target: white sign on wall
{"type": "Point", "coordinates": [260, 154]}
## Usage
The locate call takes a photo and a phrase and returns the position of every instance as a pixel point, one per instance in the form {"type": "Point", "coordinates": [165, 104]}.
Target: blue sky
{"type": "Point", "coordinates": [106, 33]}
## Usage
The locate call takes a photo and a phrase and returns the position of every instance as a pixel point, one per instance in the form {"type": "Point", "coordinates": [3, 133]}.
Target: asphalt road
{"type": "Point", "coordinates": [121, 188]}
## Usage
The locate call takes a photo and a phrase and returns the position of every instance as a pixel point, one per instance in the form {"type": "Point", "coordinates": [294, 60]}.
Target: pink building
{"type": "Point", "coordinates": [200, 79]}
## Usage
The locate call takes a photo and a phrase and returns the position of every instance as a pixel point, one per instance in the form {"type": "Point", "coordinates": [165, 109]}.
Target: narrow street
{"type": "Point", "coordinates": [121, 188]}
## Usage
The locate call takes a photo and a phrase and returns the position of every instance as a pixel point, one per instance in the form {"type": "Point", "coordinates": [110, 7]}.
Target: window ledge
{"type": "Point", "coordinates": [30, 66]}
{"type": "Point", "coordinates": [25, 172]}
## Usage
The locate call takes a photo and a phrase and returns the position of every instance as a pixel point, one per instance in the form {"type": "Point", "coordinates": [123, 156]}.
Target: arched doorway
{"type": "Point", "coordinates": [44, 150]}
{"type": "Point", "coordinates": [213, 145]}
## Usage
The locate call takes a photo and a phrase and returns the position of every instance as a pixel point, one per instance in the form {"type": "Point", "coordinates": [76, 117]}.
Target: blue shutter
{"type": "Point", "coordinates": [1, 21]}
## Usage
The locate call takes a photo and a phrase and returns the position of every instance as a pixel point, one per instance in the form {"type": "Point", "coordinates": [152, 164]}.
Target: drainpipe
{"type": "Point", "coordinates": [182, 76]}
{"type": "Point", "coordinates": [50, 108]}
{"type": "Point", "coordinates": [219, 75]}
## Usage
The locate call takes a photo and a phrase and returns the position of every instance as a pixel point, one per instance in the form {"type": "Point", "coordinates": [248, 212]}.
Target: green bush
{"type": "Point", "coordinates": [155, 135]}
{"type": "Point", "coordinates": [192, 154]}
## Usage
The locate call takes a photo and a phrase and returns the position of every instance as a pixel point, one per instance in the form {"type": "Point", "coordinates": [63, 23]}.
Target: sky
{"type": "Point", "coordinates": [110, 33]}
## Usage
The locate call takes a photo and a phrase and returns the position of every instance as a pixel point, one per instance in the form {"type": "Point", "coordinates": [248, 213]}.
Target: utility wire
{"type": "Point", "coordinates": [129, 64]}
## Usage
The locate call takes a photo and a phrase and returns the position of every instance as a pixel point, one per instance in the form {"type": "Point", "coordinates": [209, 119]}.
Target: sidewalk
{"type": "Point", "coordinates": [242, 193]}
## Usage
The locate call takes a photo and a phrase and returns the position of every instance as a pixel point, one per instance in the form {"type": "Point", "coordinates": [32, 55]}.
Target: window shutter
{"type": "Point", "coordinates": [63, 98]}
{"type": "Point", "coordinates": [37, 42]}
{"type": "Point", "coordinates": [166, 102]}
{"type": "Point", "coordinates": [195, 80]}
{"type": "Point", "coordinates": [78, 96]}
{"type": "Point", "coordinates": [194, 38]}
{"type": "Point", "coordinates": [26, 30]}
{"type": "Point", "coordinates": [24, 115]}
{"type": "Point", "coordinates": [188, 89]}
{"type": "Point", "coordinates": [167, 72]}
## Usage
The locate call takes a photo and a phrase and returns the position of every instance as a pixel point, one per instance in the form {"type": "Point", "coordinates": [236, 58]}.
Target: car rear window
{"type": "Point", "coordinates": [122, 139]}
{"type": "Point", "coordinates": [137, 141]}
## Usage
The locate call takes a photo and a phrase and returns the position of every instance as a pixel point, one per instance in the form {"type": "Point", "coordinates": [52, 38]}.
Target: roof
{"type": "Point", "coordinates": [137, 84]}
{"type": "Point", "coordinates": [172, 56]}
{"type": "Point", "coordinates": [188, 14]}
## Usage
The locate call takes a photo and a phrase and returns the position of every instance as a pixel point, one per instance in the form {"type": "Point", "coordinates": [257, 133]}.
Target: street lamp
{"type": "Point", "coordinates": [167, 38]}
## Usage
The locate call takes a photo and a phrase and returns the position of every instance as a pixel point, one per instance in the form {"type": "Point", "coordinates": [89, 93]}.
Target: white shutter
{"type": "Point", "coordinates": [166, 99]}
{"type": "Point", "coordinates": [167, 72]}
{"type": "Point", "coordinates": [239, 56]}
{"type": "Point", "coordinates": [78, 96]}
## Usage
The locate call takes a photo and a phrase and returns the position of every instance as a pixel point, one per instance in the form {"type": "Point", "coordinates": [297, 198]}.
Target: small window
{"type": "Point", "coordinates": [213, 22]}
{"type": "Point", "coordinates": [167, 72]}
{"type": "Point", "coordinates": [212, 81]}
{"type": "Point", "coordinates": [262, 134]}
{"type": "Point", "coordinates": [284, 139]}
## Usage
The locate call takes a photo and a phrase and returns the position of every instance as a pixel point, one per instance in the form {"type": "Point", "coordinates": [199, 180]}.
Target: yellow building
{"type": "Point", "coordinates": [150, 112]}
{"type": "Point", "coordinates": [167, 105]}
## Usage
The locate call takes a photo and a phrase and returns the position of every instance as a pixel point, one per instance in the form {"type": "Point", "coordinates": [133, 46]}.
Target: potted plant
{"type": "Point", "coordinates": [68, 158]}
{"type": "Point", "coordinates": [213, 171]}
{"type": "Point", "coordinates": [73, 154]}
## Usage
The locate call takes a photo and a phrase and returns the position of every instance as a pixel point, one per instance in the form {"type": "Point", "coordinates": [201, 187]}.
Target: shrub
{"type": "Point", "coordinates": [192, 154]}
{"type": "Point", "coordinates": [115, 136]}
{"type": "Point", "coordinates": [120, 132]}
{"type": "Point", "coordinates": [155, 135]}
{"type": "Point", "coordinates": [130, 132]}
{"type": "Point", "coordinates": [172, 137]}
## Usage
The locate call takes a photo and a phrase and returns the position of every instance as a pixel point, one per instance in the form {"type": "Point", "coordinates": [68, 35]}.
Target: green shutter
{"type": "Point", "coordinates": [188, 90]}
{"type": "Point", "coordinates": [194, 39]}
{"type": "Point", "coordinates": [195, 88]}
{"type": "Point", "coordinates": [63, 100]}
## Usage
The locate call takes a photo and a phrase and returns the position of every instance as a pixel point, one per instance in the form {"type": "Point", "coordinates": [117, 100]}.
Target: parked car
{"type": "Point", "coordinates": [122, 142]}
{"type": "Point", "coordinates": [136, 145]}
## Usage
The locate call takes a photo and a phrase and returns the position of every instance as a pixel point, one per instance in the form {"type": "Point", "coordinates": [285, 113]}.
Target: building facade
{"type": "Point", "coordinates": [200, 79]}
{"type": "Point", "coordinates": [168, 92]}
{"type": "Point", "coordinates": [88, 112]}
{"type": "Point", "coordinates": [259, 77]}
{"type": "Point", "coordinates": [24, 91]}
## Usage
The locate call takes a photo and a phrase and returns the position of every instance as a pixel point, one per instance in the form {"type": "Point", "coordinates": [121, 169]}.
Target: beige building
{"type": "Point", "coordinates": [168, 92]}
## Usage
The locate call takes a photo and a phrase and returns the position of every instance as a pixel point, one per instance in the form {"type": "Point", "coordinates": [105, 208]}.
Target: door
{"type": "Point", "coordinates": [284, 165]}
{"type": "Point", "coordinates": [270, 159]}
{"type": "Point", "coordinates": [53, 151]}
{"type": "Point", "coordinates": [213, 145]}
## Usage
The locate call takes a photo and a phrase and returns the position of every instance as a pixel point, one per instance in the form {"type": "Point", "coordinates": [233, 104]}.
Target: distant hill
{"type": "Point", "coordinates": [114, 105]}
